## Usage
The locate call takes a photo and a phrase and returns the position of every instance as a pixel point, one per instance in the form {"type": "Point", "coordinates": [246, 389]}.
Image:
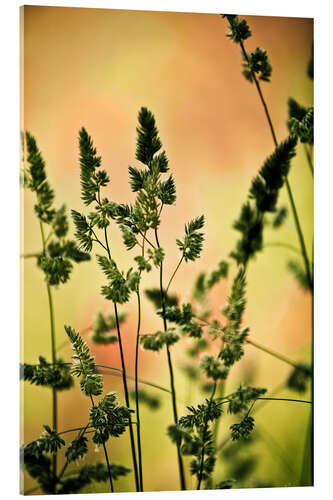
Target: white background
{"type": "Point", "coordinates": [321, 10]}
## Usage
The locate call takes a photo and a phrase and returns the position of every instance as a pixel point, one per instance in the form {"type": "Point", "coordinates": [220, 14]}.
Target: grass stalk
{"type": "Point", "coordinates": [137, 406]}
{"type": "Point", "coordinates": [309, 159]}
{"type": "Point", "coordinates": [53, 357]}
{"type": "Point", "coordinates": [269, 351]}
{"type": "Point", "coordinates": [171, 373]}
{"type": "Point", "coordinates": [135, 465]}
{"type": "Point", "coordinates": [204, 437]}
{"type": "Point", "coordinates": [290, 195]}
{"type": "Point", "coordinates": [106, 455]}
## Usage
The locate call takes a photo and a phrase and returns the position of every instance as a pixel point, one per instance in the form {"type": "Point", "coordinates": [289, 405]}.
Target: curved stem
{"type": "Point", "coordinates": [53, 356]}
{"type": "Point", "coordinates": [28, 255]}
{"type": "Point", "coordinates": [135, 466]}
{"type": "Point", "coordinates": [221, 388]}
{"type": "Point", "coordinates": [308, 157]}
{"type": "Point", "coordinates": [290, 195]}
{"type": "Point", "coordinates": [146, 239]}
{"type": "Point", "coordinates": [174, 273]}
{"type": "Point", "coordinates": [300, 236]}
{"type": "Point", "coordinates": [287, 399]}
{"type": "Point", "coordinates": [277, 355]}
{"type": "Point", "coordinates": [137, 406]}
{"type": "Point", "coordinates": [145, 382]}
{"type": "Point", "coordinates": [63, 470]}
{"type": "Point", "coordinates": [171, 374]}
{"type": "Point", "coordinates": [282, 244]}
{"type": "Point", "coordinates": [203, 438]}
{"type": "Point", "coordinates": [127, 399]}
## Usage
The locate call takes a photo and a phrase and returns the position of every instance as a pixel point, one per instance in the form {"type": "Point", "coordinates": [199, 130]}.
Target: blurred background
{"type": "Point", "coordinates": [96, 68]}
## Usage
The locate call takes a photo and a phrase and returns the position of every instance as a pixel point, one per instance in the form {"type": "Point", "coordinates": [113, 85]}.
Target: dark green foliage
{"type": "Point", "coordinates": [119, 470]}
{"type": "Point", "coordinates": [239, 400]}
{"type": "Point", "coordinates": [276, 167]}
{"type": "Point", "coordinates": [38, 466]}
{"type": "Point", "coordinates": [91, 179]}
{"type": "Point", "coordinates": [119, 287]}
{"type": "Point", "coordinates": [197, 347]}
{"type": "Point", "coordinates": [227, 484]}
{"type": "Point", "coordinates": [257, 62]}
{"type": "Point", "coordinates": [303, 128]}
{"type": "Point", "coordinates": [148, 141]}
{"type": "Point", "coordinates": [56, 270]}
{"type": "Point", "coordinates": [243, 429]}
{"type": "Point", "coordinates": [182, 317]}
{"type": "Point", "coordinates": [280, 217]}
{"type": "Point", "coordinates": [177, 433]}
{"type": "Point", "coordinates": [108, 418]}
{"type": "Point", "coordinates": [83, 231]}
{"type": "Point", "coordinates": [250, 225]}
{"type": "Point", "coordinates": [238, 29]}
{"type": "Point", "coordinates": [191, 244]}
{"type": "Point", "coordinates": [213, 368]}
{"type": "Point", "coordinates": [299, 377]}
{"type": "Point", "coordinates": [67, 249]}
{"type": "Point", "coordinates": [191, 371]}
{"type": "Point", "coordinates": [232, 335]}
{"type": "Point", "coordinates": [50, 441]}
{"type": "Point", "coordinates": [156, 255]}
{"type": "Point", "coordinates": [177, 315]}
{"type": "Point", "coordinates": [48, 375]}
{"type": "Point", "coordinates": [152, 402]}
{"type": "Point", "coordinates": [129, 238]}
{"type": "Point", "coordinates": [154, 295]}
{"type": "Point", "coordinates": [137, 178]}
{"type": "Point", "coordinates": [60, 222]}
{"type": "Point", "coordinates": [91, 473]}
{"type": "Point", "coordinates": [266, 185]}
{"type": "Point", "coordinates": [310, 65]}
{"type": "Point", "coordinates": [36, 460]}
{"type": "Point", "coordinates": [297, 271]}
{"type": "Point", "coordinates": [233, 350]}
{"type": "Point", "coordinates": [152, 191]}
{"type": "Point", "coordinates": [243, 467]}
{"type": "Point", "coordinates": [103, 327]}
{"type": "Point", "coordinates": [264, 190]}
{"type": "Point", "coordinates": [205, 412]}
{"type": "Point", "coordinates": [193, 329]}
{"type": "Point", "coordinates": [236, 301]}
{"type": "Point", "coordinates": [199, 289]}
{"type": "Point", "coordinates": [55, 259]}
{"type": "Point", "coordinates": [143, 263]}
{"type": "Point", "coordinates": [217, 274]}
{"type": "Point", "coordinates": [193, 431]}
{"type": "Point", "coordinates": [295, 110]}
{"type": "Point", "coordinates": [36, 181]}
{"type": "Point", "coordinates": [91, 383]}
{"type": "Point", "coordinates": [77, 449]}
{"type": "Point", "coordinates": [155, 341]}
{"type": "Point", "coordinates": [167, 191]}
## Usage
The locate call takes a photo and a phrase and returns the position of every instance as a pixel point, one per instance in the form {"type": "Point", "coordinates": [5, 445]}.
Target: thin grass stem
{"type": "Point", "coordinates": [171, 374]}
{"type": "Point", "coordinates": [105, 453]}
{"type": "Point", "coordinates": [203, 438]}
{"type": "Point", "coordinates": [137, 406]}
{"type": "Point", "coordinates": [290, 195]}
{"type": "Point", "coordinates": [53, 357]}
